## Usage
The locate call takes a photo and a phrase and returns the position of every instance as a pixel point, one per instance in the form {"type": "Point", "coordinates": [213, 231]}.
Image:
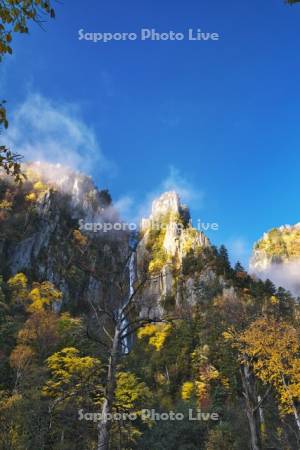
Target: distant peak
{"type": "Point", "coordinates": [167, 202]}
{"type": "Point", "coordinates": [168, 207]}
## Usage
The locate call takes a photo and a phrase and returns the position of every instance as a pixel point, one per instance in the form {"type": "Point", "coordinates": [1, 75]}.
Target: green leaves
{"type": "Point", "coordinates": [15, 16]}
{"type": "Point", "coordinates": [9, 161]}
{"type": "Point", "coordinates": [3, 116]}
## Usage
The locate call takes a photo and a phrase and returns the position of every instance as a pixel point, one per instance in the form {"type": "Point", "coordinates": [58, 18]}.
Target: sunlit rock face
{"type": "Point", "coordinates": [80, 187]}
{"type": "Point", "coordinates": [277, 256]}
{"type": "Point", "coordinates": [167, 239]}
{"type": "Point", "coordinates": [171, 220]}
{"type": "Point", "coordinates": [167, 202]}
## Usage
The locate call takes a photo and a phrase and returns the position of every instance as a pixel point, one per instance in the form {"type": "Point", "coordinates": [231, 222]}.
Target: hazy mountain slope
{"type": "Point", "coordinates": [277, 256]}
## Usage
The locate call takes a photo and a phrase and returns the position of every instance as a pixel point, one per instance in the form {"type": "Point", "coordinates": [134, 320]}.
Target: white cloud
{"type": "Point", "coordinates": [239, 249]}
{"type": "Point", "coordinates": [125, 207]}
{"type": "Point", "coordinates": [44, 130]}
{"type": "Point", "coordinates": [176, 181]}
{"type": "Point", "coordinates": [286, 275]}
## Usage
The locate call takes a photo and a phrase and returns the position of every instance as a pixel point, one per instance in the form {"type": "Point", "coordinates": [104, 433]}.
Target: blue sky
{"type": "Point", "coordinates": [217, 120]}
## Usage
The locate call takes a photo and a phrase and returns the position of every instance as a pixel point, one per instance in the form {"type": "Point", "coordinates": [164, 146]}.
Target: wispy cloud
{"type": "Point", "coordinates": [177, 181]}
{"type": "Point", "coordinates": [45, 130]}
{"type": "Point", "coordinates": [133, 209]}
{"type": "Point", "coordinates": [126, 208]}
{"type": "Point", "coordinates": [239, 249]}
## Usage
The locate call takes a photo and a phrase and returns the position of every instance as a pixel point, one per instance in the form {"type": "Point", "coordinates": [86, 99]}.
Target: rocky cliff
{"type": "Point", "coordinates": [49, 229]}
{"type": "Point", "coordinates": [169, 243]}
{"type": "Point", "coordinates": [41, 235]}
{"type": "Point", "coordinates": [277, 256]}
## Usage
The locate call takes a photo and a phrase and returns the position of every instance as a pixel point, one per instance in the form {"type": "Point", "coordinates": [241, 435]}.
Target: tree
{"type": "Point", "coordinates": [105, 199]}
{"type": "Point", "coordinates": [272, 348]}
{"type": "Point", "coordinates": [40, 332]}
{"type": "Point", "coordinates": [78, 380]}
{"type": "Point", "coordinates": [9, 161]}
{"type": "Point", "coordinates": [113, 321]}
{"type": "Point", "coordinates": [223, 261]}
{"type": "Point", "coordinates": [220, 438]}
{"type": "Point", "coordinates": [18, 286]}
{"type": "Point", "coordinates": [15, 17]}
{"type": "Point", "coordinates": [122, 328]}
{"type": "Point", "coordinates": [20, 359]}
{"type": "Point", "coordinates": [268, 353]}
{"type": "Point", "coordinates": [44, 296]}
{"type": "Point", "coordinates": [130, 397]}
{"type": "Point", "coordinates": [72, 375]}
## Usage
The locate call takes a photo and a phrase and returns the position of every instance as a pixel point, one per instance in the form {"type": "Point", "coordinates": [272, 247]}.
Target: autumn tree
{"type": "Point", "coordinates": [73, 379]}
{"type": "Point", "coordinates": [272, 348]}
{"type": "Point", "coordinates": [18, 285]}
{"type": "Point", "coordinates": [77, 381]}
{"type": "Point", "coordinates": [20, 359]}
{"type": "Point", "coordinates": [39, 334]}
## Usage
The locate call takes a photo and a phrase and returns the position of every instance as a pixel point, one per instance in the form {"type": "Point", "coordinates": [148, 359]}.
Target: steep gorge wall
{"type": "Point", "coordinates": [38, 227]}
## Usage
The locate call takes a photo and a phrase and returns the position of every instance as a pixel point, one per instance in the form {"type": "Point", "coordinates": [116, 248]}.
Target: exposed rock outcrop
{"type": "Point", "coordinates": [168, 238]}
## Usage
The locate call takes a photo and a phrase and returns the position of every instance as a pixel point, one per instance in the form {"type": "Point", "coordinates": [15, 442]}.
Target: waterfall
{"type": "Point", "coordinates": [127, 341]}
{"type": "Point", "coordinates": [132, 274]}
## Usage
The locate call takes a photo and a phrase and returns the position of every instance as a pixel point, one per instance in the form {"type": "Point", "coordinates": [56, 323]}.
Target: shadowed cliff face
{"type": "Point", "coordinates": [40, 232]}
{"type": "Point", "coordinates": [277, 256]}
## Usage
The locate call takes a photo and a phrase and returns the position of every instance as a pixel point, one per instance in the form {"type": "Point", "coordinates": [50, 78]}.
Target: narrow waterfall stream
{"type": "Point", "coordinates": [127, 341]}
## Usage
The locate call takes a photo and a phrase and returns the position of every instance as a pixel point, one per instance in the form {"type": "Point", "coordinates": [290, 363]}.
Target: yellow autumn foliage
{"type": "Point", "coordinates": [40, 186]}
{"type": "Point", "coordinates": [273, 347]}
{"type": "Point", "coordinates": [79, 238]}
{"type": "Point", "coordinates": [5, 204]}
{"type": "Point", "coordinates": [43, 296]}
{"type": "Point", "coordinates": [274, 300]}
{"type": "Point", "coordinates": [187, 390]}
{"type": "Point", "coordinates": [157, 334]}
{"type": "Point", "coordinates": [31, 197]}
{"type": "Point", "coordinates": [202, 389]}
{"type": "Point", "coordinates": [18, 288]}
{"type": "Point", "coordinates": [206, 373]}
{"type": "Point", "coordinates": [69, 372]}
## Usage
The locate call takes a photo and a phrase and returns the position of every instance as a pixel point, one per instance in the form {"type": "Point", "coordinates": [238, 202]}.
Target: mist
{"type": "Point", "coordinates": [286, 275]}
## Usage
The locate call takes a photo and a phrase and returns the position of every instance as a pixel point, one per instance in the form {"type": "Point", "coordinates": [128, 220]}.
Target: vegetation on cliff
{"type": "Point", "coordinates": [283, 243]}
{"type": "Point", "coordinates": [221, 343]}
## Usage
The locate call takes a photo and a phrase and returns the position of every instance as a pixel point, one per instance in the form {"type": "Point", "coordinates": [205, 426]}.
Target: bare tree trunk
{"type": "Point", "coordinates": [106, 419]}
{"type": "Point", "coordinates": [295, 412]}
{"type": "Point", "coordinates": [296, 415]}
{"type": "Point", "coordinates": [262, 419]}
{"type": "Point", "coordinates": [251, 406]}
